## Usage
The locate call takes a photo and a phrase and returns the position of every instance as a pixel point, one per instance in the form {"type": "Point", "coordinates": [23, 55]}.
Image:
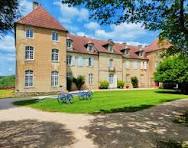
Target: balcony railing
{"type": "Point", "coordinates": [111, 69]}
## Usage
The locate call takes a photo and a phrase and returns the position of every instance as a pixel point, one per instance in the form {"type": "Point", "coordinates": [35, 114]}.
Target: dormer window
{"type": "Point", "coordinates": [90, 47]}
{"type": "Point", "coordinates": [110, 48]}
{"type": "Point", "coordinates": [126, 52]}
{"type": "Point", "coordinates": [69, 44]}
{"type": "Point", "coordinates": [141, 53]}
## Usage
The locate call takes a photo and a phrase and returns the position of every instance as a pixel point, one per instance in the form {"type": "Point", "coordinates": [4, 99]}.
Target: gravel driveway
{"type": "Point", "coordinates": [153, 127]}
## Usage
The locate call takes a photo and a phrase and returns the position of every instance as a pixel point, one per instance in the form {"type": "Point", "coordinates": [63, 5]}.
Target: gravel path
{"type": "Point", "coordinates": [26, 127]}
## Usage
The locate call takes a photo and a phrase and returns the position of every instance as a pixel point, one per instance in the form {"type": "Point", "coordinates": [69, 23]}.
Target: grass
{"type": "Point", "coordinates": [6, 93]}
{"type": "Point", "coordinates": [107, 102]}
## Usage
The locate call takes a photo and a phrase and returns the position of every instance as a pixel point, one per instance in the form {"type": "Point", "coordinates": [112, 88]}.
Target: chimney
{"type": "Point", "coordinates": [35, 4]}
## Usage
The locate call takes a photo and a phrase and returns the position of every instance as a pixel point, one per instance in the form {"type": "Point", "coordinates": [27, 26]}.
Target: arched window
{"type": "Point", "coordinates": [55, 55]}
{"type": "Point", "coordinates": [29, 53]}
{"type": "Point", "coordinates": [54, 79]}
{"type": "Point", "coordinates": [28, 78]}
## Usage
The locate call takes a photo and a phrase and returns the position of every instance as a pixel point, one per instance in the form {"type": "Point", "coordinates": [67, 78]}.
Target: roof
{"type": "Point", "coordinates": [80, 42]}
{"type": "Point", "coordinates": [39, 17]}
{"type": "Point", "coordinates": [157, 45]}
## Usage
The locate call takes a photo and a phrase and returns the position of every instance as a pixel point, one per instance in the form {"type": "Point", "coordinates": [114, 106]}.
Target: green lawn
{"type": "Point", "coordinates": [106, 102]}
{"type": "Point", "coordinates": [6, 93]}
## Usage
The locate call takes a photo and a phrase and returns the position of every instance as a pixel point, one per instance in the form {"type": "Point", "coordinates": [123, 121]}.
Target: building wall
{"type": "Point", "coordinates": [42, 65]}
{"type": "Point", "coordinates": [104, 66]}
{"type": "Point", "coordinates": [154, 60]}
{"type": "Point", "coordinates": [129, 70]}
{"type": "Point", "coordinates": [84, 70]}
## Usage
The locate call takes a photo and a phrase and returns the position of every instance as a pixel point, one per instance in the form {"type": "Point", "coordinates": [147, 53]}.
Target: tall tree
{"type": "Point", "coordinates": [170, 17]}
{"type": "Point", "coordinates": [8, 13]}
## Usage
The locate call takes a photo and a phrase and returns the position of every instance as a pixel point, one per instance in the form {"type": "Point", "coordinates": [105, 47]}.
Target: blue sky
{"type": "Point", "coordinates": [76, 20]}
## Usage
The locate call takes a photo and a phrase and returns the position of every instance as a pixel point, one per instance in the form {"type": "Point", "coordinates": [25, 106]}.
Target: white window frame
{"type": "Point", "coordinates": [54, 78]}
{"type": "Point", "coordinates": [28, 78]}
{"type": "Point", "coordinates": [29, 33]}
{"type": "Point", "coordinates": [55, 55]}
{"type": "Point", "coordinates": [110, 64]}
{"type": "Point", "coordinates": [69, 60]}
{"type": "Point", "coordinates": [111, 78]}
{"type": "Point", "coordinates": [29, 53]}
{"type": "Point", "coordinates": [110, 48]}
{"type": "Point", "coordinates": [69, 44]}
{"type": "Point", "coordinates": [80, 61]}
{"type": "Point", "coordinates": [55, 36]}
{"type": "Point", "coordinates": [90, 78]}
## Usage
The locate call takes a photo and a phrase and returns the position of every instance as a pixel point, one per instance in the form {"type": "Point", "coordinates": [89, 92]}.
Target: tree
{"type": "Point", "coordinates": [170, 17]}
{"type": "Point", "coordinates": [173, 69]}
{"type": "Point", "coordinates": [79, 81]}
{"type": "Point", "coordinates": [134, 81]}
{"type": "Point", "coordinates": [8, 14]}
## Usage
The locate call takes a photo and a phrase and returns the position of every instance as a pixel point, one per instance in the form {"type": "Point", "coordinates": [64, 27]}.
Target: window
{"type": "Point", "coordinates": [80, 61]}
{"type": "Point", "coordinates": [28, 78]}
{"type": "Point", "coordinates": [29, 33]}
{"type": "Point", "coordinates": [111, 78]}
{"type": "Point", "coordinates": [110, 63]}
{"type": "Point", "coordinates": [69, 75]}
{"type": "Point", "coordinates": [90, 47]}
{"type": "Point", "coordinates": [145, 65]}
{"type": "Point", "coordinates": [141, 53]}
{"type": "Point", "coordinates": [135, 64]}
{"type": "Point", "coordinates": [110, 48]}
{"type": "Point", "coordinates": [29, 50]}
{"type": "Point", "coordinates": [54, 78]}
{"type": "Point", "coordinates": [69, 43]}
{"type": "Point", "coordinates": [126, 51]}
{"type": "Point", "coordinates": [90, 78]}
{"type": "Point", "coordinates": [69, 60]}
{"type": "Point", "coordinates": [127, 64]}
{"type": "Point", "coordinates": [55, 55]}
{"type": "Point", "coordinates": [90, 61]}
{"type": "Point", "coordinates": [54, 36]}
{"type": "Point", "coordinates": [142, 78]}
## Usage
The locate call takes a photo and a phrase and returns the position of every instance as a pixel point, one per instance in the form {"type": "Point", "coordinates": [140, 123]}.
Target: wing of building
{"type": "Point", "coordinates": [46, 55]}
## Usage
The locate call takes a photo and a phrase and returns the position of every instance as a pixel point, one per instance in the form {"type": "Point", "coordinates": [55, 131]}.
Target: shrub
{"type": "Point", "coordinates": [79, 82]}
{"type": "Point", "coordinates": [120, 84]}
{"type": "Point", "coordinates": [134, 81]}
{"type": "Point", "coordinates": [104, 84]}
{"type": "Point", "coordinates": [69, 83]}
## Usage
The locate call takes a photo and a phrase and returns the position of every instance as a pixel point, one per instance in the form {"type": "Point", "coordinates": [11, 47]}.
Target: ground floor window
{"type": "Point", "coordinates": [111, 78]}
{"type": "Point", "coordinates": [28, 78]}
{"type": "Point", "coordinates": [127, 79]}
{"type": "Point", "coordinates": [90, 78]}
{"type": "Point", "coordinates": [54, 78]}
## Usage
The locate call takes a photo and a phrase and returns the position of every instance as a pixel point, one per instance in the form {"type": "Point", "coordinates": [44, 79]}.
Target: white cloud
{"type": "Point", "coordinates": [92, 26]}
{"type": "Point", "coordinates": [122, 32]}
{"type": "Point", "coordinates": [25, 7]}
{"type": "Point", "coordinates": [81, 34]}
{"type": "Point", "coordinates": [68, 13]}
{"type": "Point", "coordinates": [7, 44]}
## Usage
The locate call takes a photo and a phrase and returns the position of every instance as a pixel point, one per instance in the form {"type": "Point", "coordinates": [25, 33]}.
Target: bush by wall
{"type": "Point", "coordinates": [104, 84]}
{"type": "Point", "coordinates": [7, 81]}
{"type": "Point", "coordinates": [134, 82]}
{"type": "Point", "coordinates": [120, 84]}
{"type": "Point", "coordinates": [79, 82]}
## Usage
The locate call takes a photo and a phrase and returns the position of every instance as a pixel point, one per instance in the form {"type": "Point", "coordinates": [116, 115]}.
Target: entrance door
{"type": "Point", "coordinates": [112, 81]}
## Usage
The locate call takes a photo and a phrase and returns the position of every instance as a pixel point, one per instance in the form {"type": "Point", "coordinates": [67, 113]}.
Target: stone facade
{"type": "Point", "coordinates": [96, 60]}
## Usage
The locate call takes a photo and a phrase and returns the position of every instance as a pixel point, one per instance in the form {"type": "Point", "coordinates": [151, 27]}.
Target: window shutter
{"type": "Point", "coordinates": [73, 61]}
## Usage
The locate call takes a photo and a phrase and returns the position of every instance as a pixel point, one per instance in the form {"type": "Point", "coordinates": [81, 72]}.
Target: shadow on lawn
{"type": "Point", "coordinates": [25, 102]}
{"type": "Point", "coordinates": [126, 109]}
{"type": "Point", "coordinates": [168, 91]}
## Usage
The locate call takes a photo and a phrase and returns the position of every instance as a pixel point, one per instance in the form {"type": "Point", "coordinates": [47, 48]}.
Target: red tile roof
{"type": "Point", "coordinates": [39, 17]}
{"type": "Point", "coordinates": [79, 43]}
{"type": "Point", "coordinates": [157, 45]}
